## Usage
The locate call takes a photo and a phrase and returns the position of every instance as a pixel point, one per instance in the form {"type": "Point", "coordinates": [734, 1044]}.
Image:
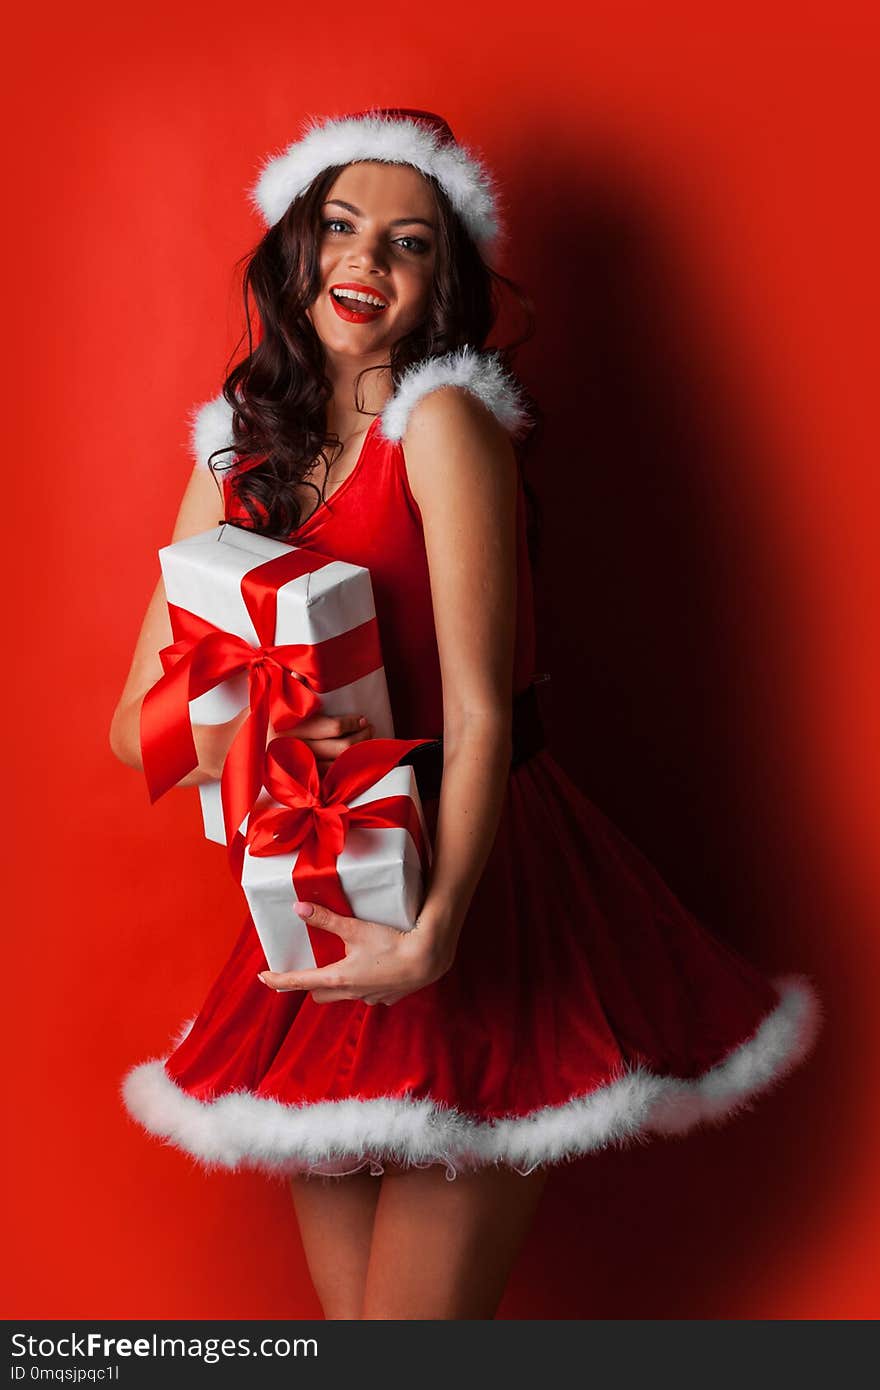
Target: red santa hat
{"type": "Point", "coordinates": [390, 135]}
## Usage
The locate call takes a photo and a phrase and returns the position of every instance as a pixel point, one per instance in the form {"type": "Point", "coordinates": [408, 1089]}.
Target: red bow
{"type": "Point", "coordinates": [282, 681]}
{"type": "Point", "coordinates": [314, 817]}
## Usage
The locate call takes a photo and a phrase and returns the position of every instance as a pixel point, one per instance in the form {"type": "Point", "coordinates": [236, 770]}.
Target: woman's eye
{"type": "Point", "coordinates": [416, 245]}
{"type": "Point", "coordinates": [419, 245]}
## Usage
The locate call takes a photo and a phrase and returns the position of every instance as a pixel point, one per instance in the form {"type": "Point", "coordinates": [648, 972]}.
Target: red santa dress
{"type": "Point", "coordinates": [586, 1005]}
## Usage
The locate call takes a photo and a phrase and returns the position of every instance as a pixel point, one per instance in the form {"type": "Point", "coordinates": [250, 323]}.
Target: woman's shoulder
{"type": "Point", "coordinates": [476, 374]}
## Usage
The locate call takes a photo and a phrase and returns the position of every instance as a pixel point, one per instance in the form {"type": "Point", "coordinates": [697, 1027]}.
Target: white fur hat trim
{"type": "Point", "coordinates": [463, 177]}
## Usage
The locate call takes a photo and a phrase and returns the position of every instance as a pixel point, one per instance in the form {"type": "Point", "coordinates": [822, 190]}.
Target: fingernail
{"type": "Point", "coordinates": [262, 979]}
{"type": "Point", "coordinates": [362, 722]}
{"type": "Point", "coordinates": [303, 909]}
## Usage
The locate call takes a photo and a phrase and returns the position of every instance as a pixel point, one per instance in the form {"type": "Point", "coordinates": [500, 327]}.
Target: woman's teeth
{"type": "Point", "coordinates": [354, 300]}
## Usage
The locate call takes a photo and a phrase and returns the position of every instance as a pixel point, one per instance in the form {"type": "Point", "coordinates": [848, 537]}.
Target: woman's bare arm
{"type": "Point", "coordinates": [200, 509]}
{"type": "Point", "coordinates": [462, 473]}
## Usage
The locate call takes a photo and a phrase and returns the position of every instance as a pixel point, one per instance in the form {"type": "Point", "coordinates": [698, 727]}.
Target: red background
{"type": "Point", "coordinates": [687, 192]}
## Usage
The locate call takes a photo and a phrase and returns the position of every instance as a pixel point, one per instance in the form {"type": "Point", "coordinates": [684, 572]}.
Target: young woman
{"type": "Point", "coordinates": [554, 996]}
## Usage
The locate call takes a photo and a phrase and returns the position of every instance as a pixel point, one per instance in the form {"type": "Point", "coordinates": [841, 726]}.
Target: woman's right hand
{"type": "Point", "coordinates": [328, 735]}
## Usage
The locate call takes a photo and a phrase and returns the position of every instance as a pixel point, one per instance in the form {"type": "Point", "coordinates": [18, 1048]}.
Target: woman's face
{"type": "Point", "coordinates": [378, 238]}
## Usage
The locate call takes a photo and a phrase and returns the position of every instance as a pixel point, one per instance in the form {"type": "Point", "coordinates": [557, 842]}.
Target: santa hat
{"type": "Point", "coordinates": [390, 135]}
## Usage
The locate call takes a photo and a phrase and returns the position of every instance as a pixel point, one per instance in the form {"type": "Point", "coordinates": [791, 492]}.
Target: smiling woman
{"type": "Point", "coordinates": [382, 229]}
{"type": "Point", "coordinates": [356, 302]}
{"type": "Point", "coordinates": [371, 271]}
{"type": "Point", "coordinates": [554, 997]}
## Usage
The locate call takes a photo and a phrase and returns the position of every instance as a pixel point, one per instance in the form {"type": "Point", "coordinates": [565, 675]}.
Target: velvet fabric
{"type": "Point", "coordinates": [576, 963]}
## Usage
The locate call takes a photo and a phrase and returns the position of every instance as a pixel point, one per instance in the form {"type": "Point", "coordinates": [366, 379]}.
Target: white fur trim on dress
{"type": "Point", "coordinates": [463, 177]}
{"type": "Point", "coordinates": [242, 1130]}
{"type": "Point", "coordinates": [481, 373]}
{"type": "Point", "coordinates": [210, 429]}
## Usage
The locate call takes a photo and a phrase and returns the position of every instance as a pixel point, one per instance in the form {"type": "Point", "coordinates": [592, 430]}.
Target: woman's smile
{"type": "Point", "coordinates": [357, 303]}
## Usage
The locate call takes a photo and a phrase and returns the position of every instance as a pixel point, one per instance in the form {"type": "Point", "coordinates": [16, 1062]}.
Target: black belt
{"type": "Point", "coordinates": [528, 737]}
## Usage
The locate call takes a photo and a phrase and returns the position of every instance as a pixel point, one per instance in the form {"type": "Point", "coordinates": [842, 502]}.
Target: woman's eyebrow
{"type": "Point", "coordinates": [398, 221]}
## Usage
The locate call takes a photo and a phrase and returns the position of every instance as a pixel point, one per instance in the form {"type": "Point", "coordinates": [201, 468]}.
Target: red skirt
{"type": "Point", "coordinates": [586, 1006]}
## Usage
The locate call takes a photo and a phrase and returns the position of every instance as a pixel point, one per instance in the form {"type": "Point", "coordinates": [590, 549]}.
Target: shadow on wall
{"type": "Point", "coordinates": [661, 620]}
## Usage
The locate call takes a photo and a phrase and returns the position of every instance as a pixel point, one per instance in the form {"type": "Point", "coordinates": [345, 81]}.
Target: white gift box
{"type": "Point", "coordinates": [203, 574]}
{"type": "Point", "coordinates": [379, 869]}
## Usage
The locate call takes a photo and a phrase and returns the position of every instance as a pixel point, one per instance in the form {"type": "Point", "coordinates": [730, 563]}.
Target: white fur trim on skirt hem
{"type": "Point", "coordinates": [332, 1138]}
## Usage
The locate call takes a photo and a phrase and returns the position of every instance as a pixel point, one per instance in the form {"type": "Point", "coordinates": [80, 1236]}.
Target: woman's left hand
{"type": "Point", "coordinates": [380, 966]}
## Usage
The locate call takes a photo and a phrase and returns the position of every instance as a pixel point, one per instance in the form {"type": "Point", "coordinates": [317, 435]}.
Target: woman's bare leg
{"type": "Point", "coordinates": [335, 1217]}
{"type": "Point", "coordinates": [444, 1249]}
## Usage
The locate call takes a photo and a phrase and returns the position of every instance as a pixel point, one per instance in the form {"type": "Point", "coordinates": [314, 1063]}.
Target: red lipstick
{"type": "Point", "coordinates": [365, 313]}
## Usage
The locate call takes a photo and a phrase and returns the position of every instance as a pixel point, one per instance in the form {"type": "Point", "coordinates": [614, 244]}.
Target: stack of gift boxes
{"type": "Point", "coordinates": [271, 634]}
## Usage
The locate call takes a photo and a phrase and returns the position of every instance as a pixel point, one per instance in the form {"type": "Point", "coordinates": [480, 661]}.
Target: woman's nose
{"type": "Point", "coordinates": [368, 251]}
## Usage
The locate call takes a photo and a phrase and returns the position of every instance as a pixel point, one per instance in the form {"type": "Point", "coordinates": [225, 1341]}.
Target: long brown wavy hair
{"type": "Point", "coordinates": [279, 391]}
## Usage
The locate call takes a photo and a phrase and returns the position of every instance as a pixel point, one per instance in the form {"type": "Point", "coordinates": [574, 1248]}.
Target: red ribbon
{"type": "Point", "coordinates": [282, 681]}
{"type": "Point", "coordinates": [314, 817]}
